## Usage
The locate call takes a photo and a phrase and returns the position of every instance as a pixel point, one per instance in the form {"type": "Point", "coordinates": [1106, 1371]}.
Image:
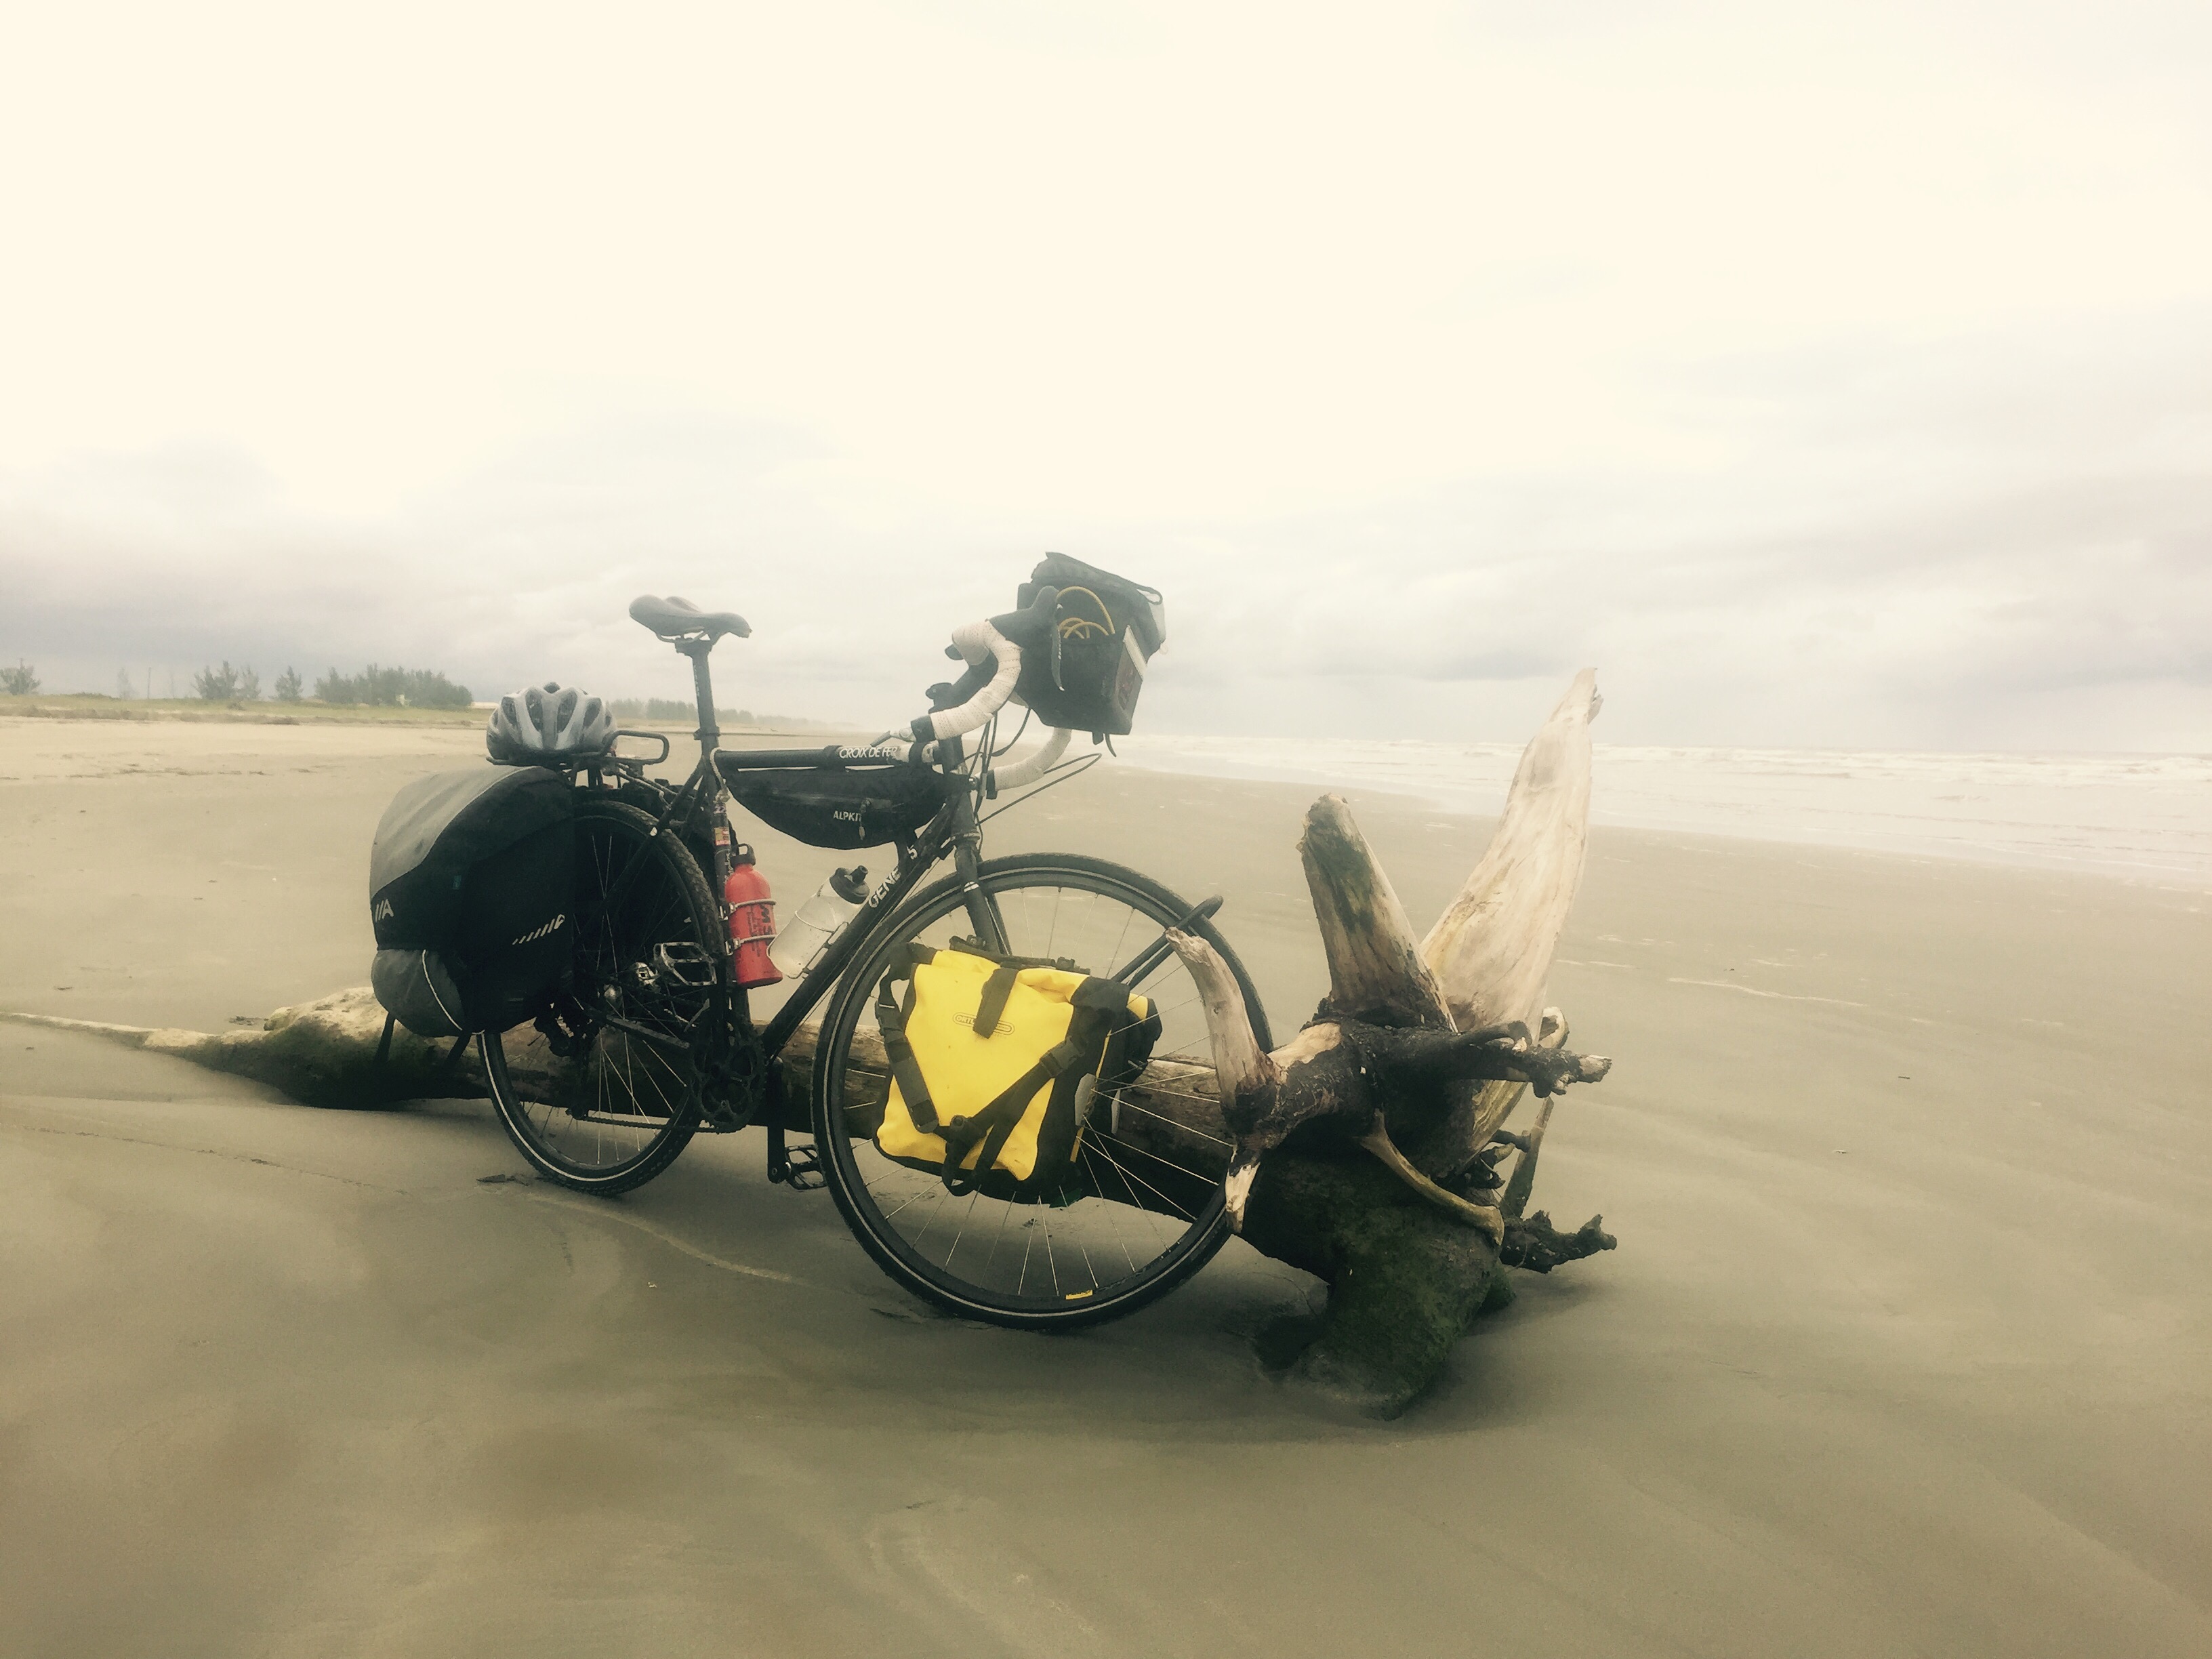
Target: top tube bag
{"type": "Point", "coordinates": [998, 1063]}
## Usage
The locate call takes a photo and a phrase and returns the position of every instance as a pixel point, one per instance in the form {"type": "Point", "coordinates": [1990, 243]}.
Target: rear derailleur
{"type": "Point", "coordinates": [568, 1027]}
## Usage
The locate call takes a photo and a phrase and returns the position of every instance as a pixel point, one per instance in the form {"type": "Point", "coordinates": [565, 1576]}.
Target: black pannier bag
{"type": "Point", "coordinates": [841, 808]}
{"type": "Point", "coordinates": [1109, 628]}
{"type": "Point", "coordinates": [470, 888]}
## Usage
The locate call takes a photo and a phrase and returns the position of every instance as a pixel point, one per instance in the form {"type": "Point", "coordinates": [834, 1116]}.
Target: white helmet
{"type": "Point", "coordinates": [548, 721]}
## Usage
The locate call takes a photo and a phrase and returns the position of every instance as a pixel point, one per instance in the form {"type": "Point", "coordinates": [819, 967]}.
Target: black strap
{"type": "Point", "coordinates": [993, 1004]}
{"type": "Point", "coordinates": [971, 947]}
{"type": "Point", "coordinates": [383, 1043]}
{"type": "Point", "coordinates": [995, 1122]}
{"type": "Point", "coordinates": [906, 1071]}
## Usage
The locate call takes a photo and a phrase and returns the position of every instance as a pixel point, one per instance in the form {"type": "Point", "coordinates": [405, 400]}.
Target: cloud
{"type": "Point", "coordinates": [1724, 606]}
{"type": "Point", "coordinates": [1823, 375]}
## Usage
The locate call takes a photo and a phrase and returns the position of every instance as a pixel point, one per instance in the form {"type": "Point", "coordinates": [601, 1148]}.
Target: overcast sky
{"type": "Point", "coordinates": [1825, 375]}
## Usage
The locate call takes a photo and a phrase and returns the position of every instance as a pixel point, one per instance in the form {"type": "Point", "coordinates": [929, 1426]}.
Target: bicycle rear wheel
{"type": "Point", "coordinates": [615, 1109]}
{"type": "Point", "coordinates": [1148, 1210]}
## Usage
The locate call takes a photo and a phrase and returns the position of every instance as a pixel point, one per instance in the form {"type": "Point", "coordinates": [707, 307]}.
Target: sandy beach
{"type": "Point", "coordinates": [1904, 1350]}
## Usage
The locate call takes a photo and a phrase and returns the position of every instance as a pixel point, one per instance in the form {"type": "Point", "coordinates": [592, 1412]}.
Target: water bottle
{"type": "Point", "coordinates": [806, 935]}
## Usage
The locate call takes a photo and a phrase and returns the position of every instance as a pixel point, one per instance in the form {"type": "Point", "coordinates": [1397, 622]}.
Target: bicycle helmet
{"type": "Point", "coordinates": [547, 722]}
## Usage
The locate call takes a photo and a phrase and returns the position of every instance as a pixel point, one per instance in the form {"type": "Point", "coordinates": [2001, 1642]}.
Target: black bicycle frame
{"type": "Point", "coordinates": [954, 831]}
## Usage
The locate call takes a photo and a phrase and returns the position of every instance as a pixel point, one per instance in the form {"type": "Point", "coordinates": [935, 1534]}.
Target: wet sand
{"type": "Point", "coordinates": [1904, 1350]}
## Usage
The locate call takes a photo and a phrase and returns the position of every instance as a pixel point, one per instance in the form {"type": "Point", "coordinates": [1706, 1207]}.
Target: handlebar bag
{"type": "Point", "coordinates": [998, 1064]}
{"type": "Point", "coordinates": [470, 883]}
{"type": "Point", "coordinates": [1108, 628]}
{"type": "Point", "coordinates": [845, 808]}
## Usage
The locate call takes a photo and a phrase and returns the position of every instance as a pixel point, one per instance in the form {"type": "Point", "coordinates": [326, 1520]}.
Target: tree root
{"type": "Point", "coordinates": [1536, 1244]}
{"type": "Point", "coordinates": [1406, 1279]}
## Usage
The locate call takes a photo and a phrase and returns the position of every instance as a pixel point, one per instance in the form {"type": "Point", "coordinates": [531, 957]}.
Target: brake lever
{"type": "Point", "coordinates": [953, 695]}
{"type": "Point", "coordinates": [1036, 626]}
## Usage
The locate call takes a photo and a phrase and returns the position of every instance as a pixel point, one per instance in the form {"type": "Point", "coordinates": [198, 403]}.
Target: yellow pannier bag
{"type": "Point", "coordinates": [998, 1062]}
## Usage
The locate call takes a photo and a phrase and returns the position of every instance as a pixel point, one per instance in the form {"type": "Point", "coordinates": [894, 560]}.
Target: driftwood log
{"type": "Point", "coordinates": [321, 1054]}
{"type": "Point", "coordinates": [1370, 1150]}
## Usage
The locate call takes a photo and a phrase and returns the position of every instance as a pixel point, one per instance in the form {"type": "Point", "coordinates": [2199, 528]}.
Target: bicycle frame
{"type": "Point", "coordinates": [954, 832]}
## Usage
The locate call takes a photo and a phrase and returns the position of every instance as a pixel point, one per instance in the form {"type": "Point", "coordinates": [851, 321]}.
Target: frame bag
{"type": "Point", "coordinates": [470, 892]}
{"type": "Point", "coordinates": [1107, 629]}
{"type": "Point", "coordinates": [861, 806]}
{"type": "Point", "coordinates": [999, 1063]}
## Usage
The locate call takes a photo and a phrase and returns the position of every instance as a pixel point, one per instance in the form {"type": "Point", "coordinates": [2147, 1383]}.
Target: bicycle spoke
{"type": "Point", "coordinates": [1118, 1239]}
{"type": "Point", "coordinates": [1006, 1213]}
{"type": "Point", "coordinates": [1113, 960]}
{"type": "Point", "coordinates": [1130, 1176]}
{"type": "Point", "coordinates": [973, 1200]}
{"type": "Point", "coordinates": [1199, 1134]}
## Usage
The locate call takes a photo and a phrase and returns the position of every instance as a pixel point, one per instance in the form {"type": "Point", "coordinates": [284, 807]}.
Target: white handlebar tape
{"type": "Point", "coordinates": [1029, 770]}
{"type": "Point", "coordinates": [975, 642]}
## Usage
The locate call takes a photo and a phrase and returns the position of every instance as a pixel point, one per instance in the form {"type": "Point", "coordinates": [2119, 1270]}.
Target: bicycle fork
{"type": "Point", "coordinates": [968, 859]}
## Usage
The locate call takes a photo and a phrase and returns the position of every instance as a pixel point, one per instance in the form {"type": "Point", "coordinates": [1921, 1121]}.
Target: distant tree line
{"type": "Point", "coordinates": [414, 688]}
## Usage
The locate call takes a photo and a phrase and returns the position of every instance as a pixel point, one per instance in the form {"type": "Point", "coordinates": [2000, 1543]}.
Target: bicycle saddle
{"type": "Point", "coordinates": [672, 618]}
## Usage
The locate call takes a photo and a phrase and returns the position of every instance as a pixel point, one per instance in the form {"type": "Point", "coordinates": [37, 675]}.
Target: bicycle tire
{"type": "Point", "coordinates": [644, 934]}
{"type": "Point", "coordinates": [873, 1192]}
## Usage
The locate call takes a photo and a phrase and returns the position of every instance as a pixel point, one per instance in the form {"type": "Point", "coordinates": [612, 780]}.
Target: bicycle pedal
{"type": "Point", "coordinates": [801, 1169]}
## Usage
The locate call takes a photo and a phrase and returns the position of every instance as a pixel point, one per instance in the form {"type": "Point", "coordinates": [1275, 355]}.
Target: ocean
{"type": "Point", "coordinates": [2146, 818]}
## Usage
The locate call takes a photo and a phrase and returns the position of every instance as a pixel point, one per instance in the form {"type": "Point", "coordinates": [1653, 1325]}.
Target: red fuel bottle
{"type": "Point", "coordinates": [752, 919]}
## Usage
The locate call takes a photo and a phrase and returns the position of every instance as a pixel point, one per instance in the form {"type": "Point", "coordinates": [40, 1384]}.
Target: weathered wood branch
{"type": "Point", "coordinates": [1377, 1141]}
{"type": "Point", "coordinates": [321, 1053]}
{"type": "Point", "coordinates": [1492, 949]}
{"type": "Point", "coordinates": [1523, 1180]}
{"type": "Point", "coordinates": [1375, 974]}
{"type": "Point", "coordinates": [1240, 1065]}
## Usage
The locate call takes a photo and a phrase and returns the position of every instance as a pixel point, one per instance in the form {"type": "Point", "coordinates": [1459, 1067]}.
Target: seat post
{"type": "Point", "coordinates": [710, 731]}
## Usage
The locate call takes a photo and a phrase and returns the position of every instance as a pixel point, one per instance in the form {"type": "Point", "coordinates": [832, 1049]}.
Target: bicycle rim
{"type": "Point", "coordinates": [1147, 1211]}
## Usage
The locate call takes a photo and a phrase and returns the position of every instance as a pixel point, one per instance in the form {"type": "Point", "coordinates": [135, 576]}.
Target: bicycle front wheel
{"type": "Point", "coordinates": [1146, 1211]}
{"type": "Point", "coordinates": [615, 1108]}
